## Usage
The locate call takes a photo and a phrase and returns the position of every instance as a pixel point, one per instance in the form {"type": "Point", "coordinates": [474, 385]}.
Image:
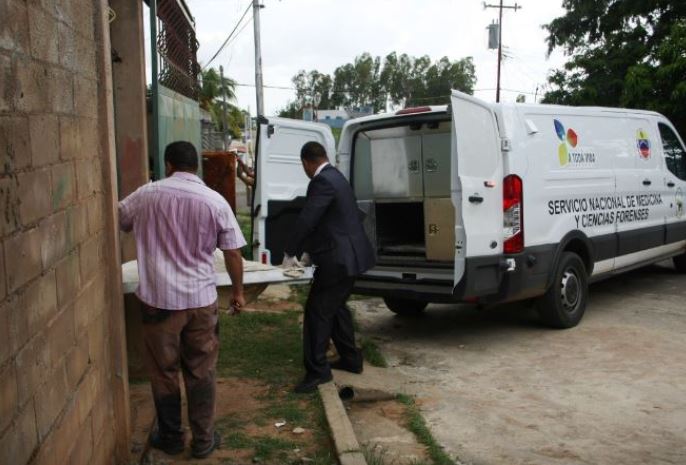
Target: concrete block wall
{"type": "Point", "coordinates": [59, 376]}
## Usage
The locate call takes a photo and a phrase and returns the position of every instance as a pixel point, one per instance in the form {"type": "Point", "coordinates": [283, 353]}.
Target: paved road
{"type": "Point", "coordinates": [497, 388]}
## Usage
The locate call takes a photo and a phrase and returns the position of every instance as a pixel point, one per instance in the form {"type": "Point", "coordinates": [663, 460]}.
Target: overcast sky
{"type": "Point", "coordinates": [323, 34]}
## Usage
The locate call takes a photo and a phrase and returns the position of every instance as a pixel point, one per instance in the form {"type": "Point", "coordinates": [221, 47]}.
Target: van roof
{"type": "Point", "coordinates": [507, 106]}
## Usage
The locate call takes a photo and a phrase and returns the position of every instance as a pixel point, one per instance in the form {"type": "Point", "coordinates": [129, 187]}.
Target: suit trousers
{"type": "Point", "coordinates": [189, 340]}
{"type": "Point", "coordinates": [327, 317]}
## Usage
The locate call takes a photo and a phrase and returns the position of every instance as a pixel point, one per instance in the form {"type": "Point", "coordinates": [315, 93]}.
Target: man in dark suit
{"type": "Point", "coordinates": [330, 230]}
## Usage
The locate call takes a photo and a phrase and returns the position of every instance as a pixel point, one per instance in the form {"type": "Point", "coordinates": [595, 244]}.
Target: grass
{"type": "Point", "coordinates": [416, 424]}
{"type": "Point", "coordinates": [262, 346]}
{"type": "Point", "coordinates": [372, 354]}
{"type": "Point", "coordinates": [244, 223]}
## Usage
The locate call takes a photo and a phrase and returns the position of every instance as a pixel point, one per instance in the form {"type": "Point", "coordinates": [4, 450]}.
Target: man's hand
{"type": "Point", "coordinates": [305, 259]}
{"type": "Point", "coordinates": [234, 265]}
{"type": "Point", "coordinates": [237, 304]}
{"type": "Point", "coordinates": [290, 262]}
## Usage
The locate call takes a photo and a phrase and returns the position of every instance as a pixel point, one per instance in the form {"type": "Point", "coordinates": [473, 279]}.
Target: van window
{"type": "Point", "coordinates": [675, 155]}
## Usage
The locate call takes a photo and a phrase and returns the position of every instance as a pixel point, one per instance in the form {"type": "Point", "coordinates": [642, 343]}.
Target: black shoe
{"type": "Point", "coordinates": [206, 451]}
{"type": "Point", "coordinates": [165, 445]}
{"type": "Point", "coordinates": [341, 365]}
{"type": "Point", "coordinates": [310, 384]}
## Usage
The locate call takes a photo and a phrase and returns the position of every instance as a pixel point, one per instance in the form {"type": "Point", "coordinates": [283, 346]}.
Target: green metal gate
{"type": "Point", "coordinates": [175, 86]}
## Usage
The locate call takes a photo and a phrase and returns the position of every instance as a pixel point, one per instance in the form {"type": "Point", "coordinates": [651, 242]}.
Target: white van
{"type": "Point", "coordinates": [491, 203]}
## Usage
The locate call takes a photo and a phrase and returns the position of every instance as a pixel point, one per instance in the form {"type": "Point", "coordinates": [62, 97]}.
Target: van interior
{"type": "Point", "coordinates": [401, 177]}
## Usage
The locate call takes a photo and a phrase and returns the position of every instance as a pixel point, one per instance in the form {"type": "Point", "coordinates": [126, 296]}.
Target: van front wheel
{"type": "Point", "coordinates": [405, 307]}
{"type": "Point", "coordinates": [564, 304]}
{"type": "Point", "coordinates": [680, 263]}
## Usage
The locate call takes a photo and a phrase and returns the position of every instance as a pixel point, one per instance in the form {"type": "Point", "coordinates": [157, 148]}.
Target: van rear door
{"type": "Point", "coordinates": [281, 183]}
{"type": "Point", "coordinates": [477, 181]}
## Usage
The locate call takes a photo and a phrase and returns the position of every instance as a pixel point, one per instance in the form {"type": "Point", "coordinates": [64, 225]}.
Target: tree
{"type": "Point", "coordinates": [626, 53]}
{"type": "Point", "coordinates": [371, 81]}
{"type": "Point", "coordinates": [213, 92]}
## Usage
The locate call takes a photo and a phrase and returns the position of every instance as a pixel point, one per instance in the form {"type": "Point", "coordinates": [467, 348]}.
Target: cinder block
{"type": "Point", "coordinates": [45, 140]}
{"type": "Point", "coordinates": [77, 363]}
{"type": "Point", "coordinates": [78, 217]}
{"type": "Point", "coordinates": [60, 337]}
{"type": "Point", "coordinates": [39, 302]}
{"type": "Point", "coordinates": [34, 195]}
{"type": "Point", "coordinates": [90, 303]}
{"type": "Point", "coordinates": [63, 185]}
{"type": "Point", "coordinates": [6, 349]}
{"type": "Point", "coordinates": [96, 342]}
{"type": "Point", "coordinates": [86, 394]}
{"type": "Point", "coordinates": [69, 137]}
{"type": "Point", "coordinates": [68, 279]}
{"type": "Point", "coordinates": [14, 27]}
{"type": "Point", "coordinates": [85, 179]}
{"type": "Point", "coordinates": [18, 443]}
{"type": "Point", "coordinates": [60, 442]}
{"type": "Point", "coordinates": [15, 148]}
{"type": "Point", "coordinates": [86, 99]}
{"type": "Point", "coordinates": [84, 19]}
{"type": "Point", "coordinates": [9, 199]}
{"type": "Point", "coordinates": [33, 88]}
{"type": "Point", "coordinates": [89, 133]}
{"type": "Point", "coordinates": [58, 239]}
{"type": "Point", "coordinates": [85, 58]}
{"type": "Point", "coordinates": [65, 10]}
{"type": "Point", "coordinates": [22, 253]}
{"type": "Point", "coordinates": [96, 214]}
{"type": "Point", "coordinates": [100, 415]}
{"type": "Point", "coordinates": [43, 35]}
{"type": "Point", "coordinates": [32, 367]}
{"type": "Point", "coordinates": [8, 395]}
{"type": "Point", "coordinates": [81, 455]}
{"type": "Point", "coordinates": [18, 325]}
{"type": "Point", "coordinates": [61, 86]}
{"type": "Point", "coordinates": [67, 47]}
{"type": "Point", "coordinates": [89, 258]}
{"type": "Point", "coordinates": [6, 81]}
{"type": "Point", "coordinates": [3, 291]}
{"type": "Point", "coordinates": [50, 400]}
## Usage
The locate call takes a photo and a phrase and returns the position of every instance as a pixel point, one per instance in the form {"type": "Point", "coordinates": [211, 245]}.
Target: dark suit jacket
{"type": "Point", "coordinates": [330, 229]}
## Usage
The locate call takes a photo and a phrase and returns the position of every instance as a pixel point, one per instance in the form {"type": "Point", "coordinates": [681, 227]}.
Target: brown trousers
{"type": "Point", "coordinates": [186, 339]}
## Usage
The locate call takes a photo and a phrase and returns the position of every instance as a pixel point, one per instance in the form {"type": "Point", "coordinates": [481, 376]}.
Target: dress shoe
{"type": "Point", "coordinates": [342, 365]}
{"type": "Point", "coordinates": [201, 453]}
{"type": "Point", "coordinates": [165, 445]}
{"type": "Point", "coordinates": [310, 384]}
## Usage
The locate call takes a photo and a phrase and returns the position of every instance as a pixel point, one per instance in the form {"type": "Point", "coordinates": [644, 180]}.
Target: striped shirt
{"type": "Point", "coordinates": [178, 223]}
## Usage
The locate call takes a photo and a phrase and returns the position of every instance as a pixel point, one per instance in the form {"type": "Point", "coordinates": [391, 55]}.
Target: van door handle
{"type": "Point", "coordinates": [647, 182]}
{"type": "Point", "coordinates": [670, 184]}
{"type": "Point", "coordinates": [476, 198]}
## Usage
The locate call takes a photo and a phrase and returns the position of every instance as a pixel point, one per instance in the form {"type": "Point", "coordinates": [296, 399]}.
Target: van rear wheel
{"type": "Point", "coordinates": [405, 307]}
{"type": "Point", "coordinates": [564, 304]}
{"type": "Point", "coordinates": [680, 263]}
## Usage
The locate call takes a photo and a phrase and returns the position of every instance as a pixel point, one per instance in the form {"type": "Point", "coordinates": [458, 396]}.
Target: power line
{"type": "Point", "coordinates": [229, 37]}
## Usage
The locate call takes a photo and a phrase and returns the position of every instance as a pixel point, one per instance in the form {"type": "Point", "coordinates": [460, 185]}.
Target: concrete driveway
{"type": "Point", "coordinates": [497, 388]}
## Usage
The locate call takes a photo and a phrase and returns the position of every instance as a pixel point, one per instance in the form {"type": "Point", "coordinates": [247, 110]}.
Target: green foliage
{"type": "Point", "coordinates": [622, 53]}
{"type": "Point", "coordinates": [372, 354]}
{"type": "Point", "coordinates": [213, 92]}
{"type": "Point", "coordinates": [373, 81]}
{"type": "Point", "coordinates": [416, 424]}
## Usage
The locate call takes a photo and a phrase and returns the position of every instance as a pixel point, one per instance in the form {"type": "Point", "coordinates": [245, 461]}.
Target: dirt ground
{"type": "Point", "coordinates": [498, 388]}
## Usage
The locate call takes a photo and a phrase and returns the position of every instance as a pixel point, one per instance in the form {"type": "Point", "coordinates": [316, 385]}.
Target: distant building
{"type": "Point", "coordinates": [336, 118]}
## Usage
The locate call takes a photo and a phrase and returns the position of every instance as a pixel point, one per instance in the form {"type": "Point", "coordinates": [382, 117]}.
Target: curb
{"type": "Point", "coordinates": [347, 447]}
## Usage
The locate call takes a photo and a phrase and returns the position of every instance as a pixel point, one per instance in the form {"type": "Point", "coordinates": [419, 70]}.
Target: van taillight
{"type": "Point", "coordinates": [411, 110]}
{"type": "Point", "coordinates": [264, 258]}
{"type": "Point", "coordinates": [513, 214]}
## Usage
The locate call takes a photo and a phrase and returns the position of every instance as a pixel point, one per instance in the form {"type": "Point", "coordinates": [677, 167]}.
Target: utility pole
{"type": "Point", "coordinates": [500, 38]}
{"type": "Point", "coordinates": [224, 120]}
{"type": "Point", "coordinates": [258, 57]}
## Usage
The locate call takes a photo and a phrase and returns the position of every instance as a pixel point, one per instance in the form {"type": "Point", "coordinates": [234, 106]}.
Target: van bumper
{"type": "Point", "coordinates": [486, 279]}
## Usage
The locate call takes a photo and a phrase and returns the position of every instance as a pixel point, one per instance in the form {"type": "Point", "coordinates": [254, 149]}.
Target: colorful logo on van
{"type": "Point", "coordinates": [569, 139]}
{"type": "Point", "coordinates": [643, 144]}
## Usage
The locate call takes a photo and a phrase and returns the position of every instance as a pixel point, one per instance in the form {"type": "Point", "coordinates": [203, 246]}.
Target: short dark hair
{"type": "Point", "coordinates": [313, 151]}
{"type": "Point", "coordinates": [181, 155]}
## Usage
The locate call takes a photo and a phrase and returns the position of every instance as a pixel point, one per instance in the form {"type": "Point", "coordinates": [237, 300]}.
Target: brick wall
{"type": "Point", "coordinates": [59, 302]}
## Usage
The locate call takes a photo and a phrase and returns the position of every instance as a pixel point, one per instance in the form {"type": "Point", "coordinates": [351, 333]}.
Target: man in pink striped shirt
{"type": "Point", "coordinates": [178, 223]}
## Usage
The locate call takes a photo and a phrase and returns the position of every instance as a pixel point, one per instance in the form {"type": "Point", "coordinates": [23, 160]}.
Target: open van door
{"type": "Point", "coordinates": [477, 191]}
{"type": "Point", "coordinates": [281, 183]}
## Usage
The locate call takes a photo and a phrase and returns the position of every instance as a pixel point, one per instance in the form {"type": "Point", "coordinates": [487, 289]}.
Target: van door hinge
{"type": "Point", "coordinates": [505, 144]}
